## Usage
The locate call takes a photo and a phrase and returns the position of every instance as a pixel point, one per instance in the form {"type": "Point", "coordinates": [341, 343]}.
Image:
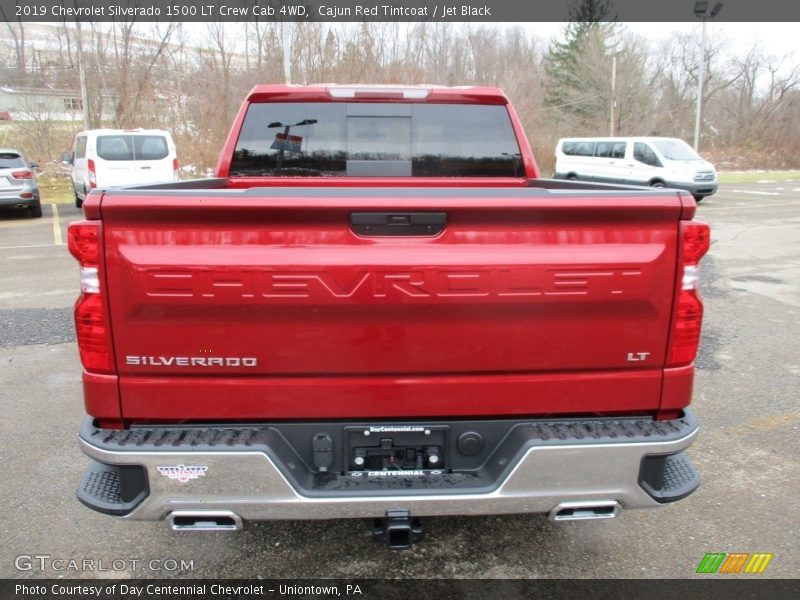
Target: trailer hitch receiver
{"type": "Point", "coordinates": [398, 530]}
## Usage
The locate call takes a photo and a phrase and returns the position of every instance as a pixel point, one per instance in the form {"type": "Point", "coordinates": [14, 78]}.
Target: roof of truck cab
{"type": "Point", "coordinates": [382, 93]}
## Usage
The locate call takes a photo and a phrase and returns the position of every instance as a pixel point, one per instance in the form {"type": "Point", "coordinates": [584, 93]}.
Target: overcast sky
{"type": "Point", "coordinates": [778, 39]}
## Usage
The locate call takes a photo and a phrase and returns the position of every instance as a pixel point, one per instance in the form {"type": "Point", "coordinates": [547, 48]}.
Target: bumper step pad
{"type": "Point", "coordinates": [669, 478]}
{"type": "Point", "coordinates": [113, 490]}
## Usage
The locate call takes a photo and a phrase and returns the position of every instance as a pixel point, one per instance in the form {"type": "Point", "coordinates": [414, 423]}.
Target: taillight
{"type": "Point", "coordinates": [92, 332]}
{"type": "Point", "coordinates": [83, 241]}
{"type": "Point", "coordinates": [695, 239]}
{"type": "Point", "coordinates": [91, 317]}
{"type": "Point", "coordinates": [92, 174]}
{"type": "Point", "coordinates": [175, 166]}
{"type": "Point", "coordinates": [22, 174]}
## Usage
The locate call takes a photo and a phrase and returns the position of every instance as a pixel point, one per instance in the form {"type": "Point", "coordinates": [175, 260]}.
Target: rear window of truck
{"type": "Point", "coordinates": [335, 139]}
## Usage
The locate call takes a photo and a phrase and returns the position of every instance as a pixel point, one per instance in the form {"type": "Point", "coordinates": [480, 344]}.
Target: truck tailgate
{"type": "Point", "coordinates": [270, 304]}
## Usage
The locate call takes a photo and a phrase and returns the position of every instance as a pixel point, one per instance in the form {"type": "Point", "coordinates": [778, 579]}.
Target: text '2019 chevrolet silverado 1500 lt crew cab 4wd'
{"type": "Point", "coordinates": [377, 309]}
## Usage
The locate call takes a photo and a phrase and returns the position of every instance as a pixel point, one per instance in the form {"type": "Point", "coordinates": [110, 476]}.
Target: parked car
{"type": "Point", "coordinates": [104, 158]}
{"type": "Point", "coordinates": [652, 161]}
{"type": "Point", "coordinates": [18, 188]}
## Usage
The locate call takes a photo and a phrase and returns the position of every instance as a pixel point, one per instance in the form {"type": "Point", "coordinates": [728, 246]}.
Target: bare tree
{"type": "Point", "coordinates": [213, 88]}
{"type": "Point", "coordinates": [263, 49]}
{"type": "Point", "coordinates": [35, 130]}
{"type": "Point", "coordinates": [163, 75]}
{"type": "Point", "coordinates": [751, 112]}
{"type": "Point", "coordinates": [17, 31]}
{"type": "Point", "coordinates": [135, 60]}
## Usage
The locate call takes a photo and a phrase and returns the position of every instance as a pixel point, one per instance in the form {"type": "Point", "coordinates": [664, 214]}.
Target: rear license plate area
{"type": "Point", "coordinates": [396, 448]}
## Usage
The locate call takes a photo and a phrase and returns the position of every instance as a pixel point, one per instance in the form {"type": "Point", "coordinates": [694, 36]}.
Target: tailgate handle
{"type": "Point", "coordinates": [398, 223]}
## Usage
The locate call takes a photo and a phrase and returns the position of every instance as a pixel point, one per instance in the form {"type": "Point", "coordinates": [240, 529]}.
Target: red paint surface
{"type": "Point", "coordinates": [549, 303]}
{"type": "Point", "coordinates": [521, 306]}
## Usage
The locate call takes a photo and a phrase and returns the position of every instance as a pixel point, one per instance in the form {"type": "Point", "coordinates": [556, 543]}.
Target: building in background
{"type": "Point", "coordinates": [34, 104]}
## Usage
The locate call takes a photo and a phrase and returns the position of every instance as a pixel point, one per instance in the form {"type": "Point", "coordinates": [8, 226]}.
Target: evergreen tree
{"type": "Point", "coordinates": [576, 82]}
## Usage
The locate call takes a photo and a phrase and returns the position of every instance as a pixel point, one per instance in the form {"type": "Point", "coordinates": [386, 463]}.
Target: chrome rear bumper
{"type": "Point", "coordinates": [541, 478]}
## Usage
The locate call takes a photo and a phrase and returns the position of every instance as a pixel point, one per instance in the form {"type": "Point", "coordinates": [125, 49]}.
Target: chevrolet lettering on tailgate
{"type": "Point", "coordinates": [500, 283]}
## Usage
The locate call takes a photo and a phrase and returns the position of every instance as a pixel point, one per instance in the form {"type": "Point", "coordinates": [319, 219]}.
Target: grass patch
{"type": "Point", "coordinates": [55, 189]}
{"type": "Point", "coordinates": [756, 176]}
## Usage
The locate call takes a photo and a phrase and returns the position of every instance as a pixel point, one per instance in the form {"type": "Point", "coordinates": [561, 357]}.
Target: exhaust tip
{"type": "Point", "coordinates": [584, 511]}
{"type": "Point", "coordinates": [204, 520]}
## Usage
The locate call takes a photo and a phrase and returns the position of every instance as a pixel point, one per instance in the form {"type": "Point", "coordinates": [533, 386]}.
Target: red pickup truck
{"type": "Point", "coordinates": [378, 309]}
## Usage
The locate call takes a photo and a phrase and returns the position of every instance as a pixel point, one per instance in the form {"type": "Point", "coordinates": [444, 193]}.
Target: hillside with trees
{"type": "Point", "coordinates": [59, 78]}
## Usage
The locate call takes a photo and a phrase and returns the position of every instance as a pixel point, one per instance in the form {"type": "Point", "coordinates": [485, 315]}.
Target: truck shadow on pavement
{"type": "Point", "coordinates": [486, 546]}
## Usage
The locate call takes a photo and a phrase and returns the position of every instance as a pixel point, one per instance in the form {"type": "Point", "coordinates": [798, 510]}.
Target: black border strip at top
{"type": "Point", "coordinates": [433, 11]}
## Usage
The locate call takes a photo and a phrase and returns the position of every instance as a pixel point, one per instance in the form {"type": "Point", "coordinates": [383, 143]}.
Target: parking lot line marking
{"type": "Point", "coordinates": [25, 247]}
{"type": "Point", "coordinates": [720, 207]}
{"type": "Point", "coordinates": [57, 239]}
{"type": "Point", "coordinates": [756, 192]}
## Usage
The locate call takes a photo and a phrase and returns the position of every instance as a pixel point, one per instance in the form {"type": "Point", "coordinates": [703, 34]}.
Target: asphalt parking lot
{"type": "Point", "coordinates": [746, 395]}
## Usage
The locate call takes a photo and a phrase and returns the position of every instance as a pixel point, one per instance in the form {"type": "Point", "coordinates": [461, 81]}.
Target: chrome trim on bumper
{"type": "Point", "coordinates": [250, 485]}
{"type": "Point", "coordinates": [204, 520]}
{"type": "Point", "coordinates": [583, 511]}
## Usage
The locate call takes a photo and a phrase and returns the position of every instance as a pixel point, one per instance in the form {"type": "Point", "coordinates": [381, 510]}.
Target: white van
{"type": "Point", "coordinates": [653, 161]}
{"type": "Point", "coordinates": [104, 158]}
